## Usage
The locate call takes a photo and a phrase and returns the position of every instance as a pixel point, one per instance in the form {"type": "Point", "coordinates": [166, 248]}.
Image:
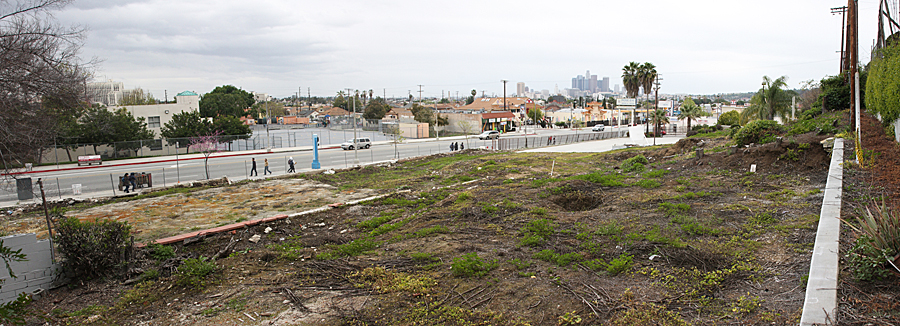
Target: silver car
{"type": "Point", "coordinates": [490, 134]}
{"type": "Point", "coordinates": [599, 127]}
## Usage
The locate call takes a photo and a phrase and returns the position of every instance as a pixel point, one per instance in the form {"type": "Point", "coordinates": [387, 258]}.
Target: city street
{"type": "Point", "coordinates": [103, 180]}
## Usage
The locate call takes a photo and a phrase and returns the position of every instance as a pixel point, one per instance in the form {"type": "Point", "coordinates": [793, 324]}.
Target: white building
{"type": "Point", "coordinates": [157, 115]}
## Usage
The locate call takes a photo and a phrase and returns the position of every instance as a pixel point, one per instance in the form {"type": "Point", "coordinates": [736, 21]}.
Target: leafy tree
{"type": "Point", "coordinates": [184, 125]}
{"type": "Point", "coordinates": [631, 78]}
{"type": "Point", "coordinates": [835, 93]}
{"type": "Point", "coordinates": [376, 109]}
{"type": "Point", "coordinates": [422, 114]}
{"type": "Point", "coordinates": [230, 126]}
{"type": "Point", "coordinates": [730, 118]}
{"type": "Point", "coordinates": [267, 109]}
{"type": "Point", "coordinates": [226, 100]}
{"type": "Point", "coordinates": [534, 114]}
{"type": "Point", "coordinates": [691, 111]}
{"type": "Point", "coordinates": [347, 102]}
{"type": "Point", "coordinates": [100, 126]}
{"type": "Point", "coordinates": [771, 100]}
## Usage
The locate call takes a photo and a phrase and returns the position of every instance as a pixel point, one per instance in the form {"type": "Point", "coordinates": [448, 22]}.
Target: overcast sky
{"type": "Point", "coordinates": [278, 46]}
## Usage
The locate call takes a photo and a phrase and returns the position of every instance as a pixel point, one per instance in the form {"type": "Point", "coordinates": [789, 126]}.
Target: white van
{"type": "Point", "coordinates": [362, 142]}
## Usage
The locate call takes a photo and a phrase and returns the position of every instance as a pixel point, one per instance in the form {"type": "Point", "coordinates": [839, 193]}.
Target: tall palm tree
{"type": "Point", "coordinates": [646, 77]}
{"type": "Point", "coordinates": [630, 79]}
{"type": "Point", "coordinates": [771, 100]}
{"type": "Point", "coordinates": [690, 110]}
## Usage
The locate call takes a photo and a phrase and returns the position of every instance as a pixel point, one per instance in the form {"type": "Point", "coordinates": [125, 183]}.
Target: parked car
{"type": "Point", "coordinates": [599, 127]}
{"type": "Point", "coordinates": [359, 143]}
{"type": "Point", "coordinates": [490, 134]}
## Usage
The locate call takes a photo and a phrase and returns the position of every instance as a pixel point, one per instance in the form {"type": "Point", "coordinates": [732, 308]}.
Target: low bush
{"type": "Point", "coordinates": [879, 242]}
{"type": "Point", "coordinates": [92, 249]}
{"type": "Point", "coordinates": [758, 132]}
{"type": "Point", "coordinates": [635, 164]}
{"type": "Point", "coordinates": [194, 271]}
{"type": "Point", "coordinates": [471, 265]}
{"type": "Point", "coordinates": [161, 252]}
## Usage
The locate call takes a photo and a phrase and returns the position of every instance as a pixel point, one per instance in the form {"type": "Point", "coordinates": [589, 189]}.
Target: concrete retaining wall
{"type": "Point", "coordinates": [33, 275]}
{"type": "Point", "coordinates": [820, 306]}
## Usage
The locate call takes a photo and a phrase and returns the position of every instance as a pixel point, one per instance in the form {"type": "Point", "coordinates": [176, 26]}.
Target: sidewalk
{"type": "Point", "coordinates": [603, 145]}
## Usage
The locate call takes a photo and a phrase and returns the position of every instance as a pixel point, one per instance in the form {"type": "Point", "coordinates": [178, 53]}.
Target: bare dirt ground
{"type": "Point", "coordinates": [182, 210]}
{"type": "Point", "coordinates": [478, 238]}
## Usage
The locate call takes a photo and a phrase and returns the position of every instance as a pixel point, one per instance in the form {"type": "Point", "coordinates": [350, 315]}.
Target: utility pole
{"type": "Point", "coordinates": [656, 123]}
{"type": "Point", "coordinates": [309, 98]}
{"type": "Point", "coordinates": [852, 53]}
{"type": "Point", "coordinates": [843, 12]}
{"type": "Point", "coordinates": [420, 93]}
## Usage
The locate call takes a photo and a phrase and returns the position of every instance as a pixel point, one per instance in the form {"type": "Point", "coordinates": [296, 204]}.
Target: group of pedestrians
{"type": "Point", "coordinates": [266, 170]}
{"type": "Point", "coordinates": [457, 146]}
{"type": "Point", "coordinates": [129, 180]}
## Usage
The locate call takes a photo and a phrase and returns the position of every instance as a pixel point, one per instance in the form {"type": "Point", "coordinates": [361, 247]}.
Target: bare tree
{"type": "Point", "coordinates": [41, 77]}
{"type": "Point", "coordinates": [466, 127]}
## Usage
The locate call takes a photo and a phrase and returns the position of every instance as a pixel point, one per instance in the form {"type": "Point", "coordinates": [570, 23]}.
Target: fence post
{"type": "Point", "coordinates": [58, 190]}
{"type": "Point", "coordinates": [113, 184]}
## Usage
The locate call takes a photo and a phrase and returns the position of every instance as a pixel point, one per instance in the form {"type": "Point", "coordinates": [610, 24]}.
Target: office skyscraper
{"type": "Point", "coordinates": [604, 84]}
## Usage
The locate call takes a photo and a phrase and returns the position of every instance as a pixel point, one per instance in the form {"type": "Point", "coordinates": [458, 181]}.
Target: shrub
{"type": "Point", "coordinates": [193, 271]}
{"type": "Point", "coordinates": [880, 241]}
{"type": "Point", "coordinates": [733, 131]}
{"type": "Point", "coordinates": [92, 249]}
{"type": "Point", "coordinates": [730, 118]}
{"type": "Point", "coordinates": [619, 265]}
{"type": "Point", "coordinates": [161, 252]}
{"type": "Point", "coordinates": [606, 180]}
{"type": "Point", "coordinates": [758, 132]}
{"type": "Point", "coordinates": [471, 265]}
{"type": "Point", "coordinates": [635, 164]}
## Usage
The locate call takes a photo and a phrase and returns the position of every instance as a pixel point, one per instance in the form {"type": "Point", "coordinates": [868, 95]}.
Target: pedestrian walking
{"type": "Point", "coordinates": [455, 146]}
{"type": "Point", "coordinates": [132, 180]}
{"type": "Point", "coordinates": [253, 167]}
{"type": "Point", "coordinates": [266, 169]}
{"type": "Point", "coordinates": [461, 146]}
{"type": "Point", "coordinates": [124, 180]}
{"type": "Point", "coordinates": [291, 165]}
{"type": "Point", "coordinates": [451, 147]}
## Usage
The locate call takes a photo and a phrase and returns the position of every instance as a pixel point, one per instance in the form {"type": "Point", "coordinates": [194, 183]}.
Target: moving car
{"type": "Point", "coordinates": [599, 127]}
{"type": "Point", "coordinates": [490, 134]}
{"type": "Point", "coordinates": [358, 143]}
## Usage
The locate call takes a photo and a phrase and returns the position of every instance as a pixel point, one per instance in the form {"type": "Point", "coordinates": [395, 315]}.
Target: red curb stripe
{"type": "Point", "coordinates": [220, 229]}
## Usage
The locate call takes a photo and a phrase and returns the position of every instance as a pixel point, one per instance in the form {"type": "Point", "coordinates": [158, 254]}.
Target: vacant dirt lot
{"type": "Point", "coordinates": [477, 238]}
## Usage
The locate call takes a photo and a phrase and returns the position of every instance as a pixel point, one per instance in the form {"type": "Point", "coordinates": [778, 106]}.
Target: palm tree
{"type": "Point", "coordinates": [474, 92]}
{"type": "Point", "coordinates": [689, 111]}
{"type": "Point", "coordinates": [646, 77]}
{"type": "Point", "coordinates": [631, 79]}
{"type": "Point", "coordinates": [658, 117]}
{"type": "Point", "coordinates": [771, 100]}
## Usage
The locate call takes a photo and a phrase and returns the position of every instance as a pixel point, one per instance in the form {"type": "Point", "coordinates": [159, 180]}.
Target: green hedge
{"type": "Point", "coordinates": [883, 85]}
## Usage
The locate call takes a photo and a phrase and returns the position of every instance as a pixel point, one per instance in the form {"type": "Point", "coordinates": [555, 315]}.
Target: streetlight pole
{"type": "Point", "coordinates": [504, 94]}
{"type": "Point", "coordinates": [354, 142]}
{"type": "Point", "coordinates": [268, 120]}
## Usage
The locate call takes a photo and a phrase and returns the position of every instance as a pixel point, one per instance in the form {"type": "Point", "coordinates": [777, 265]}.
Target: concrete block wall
{"type": "Point", "coordinates": [35, 274]}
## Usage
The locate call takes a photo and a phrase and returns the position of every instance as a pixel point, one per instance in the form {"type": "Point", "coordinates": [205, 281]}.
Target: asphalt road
{"type": "Point", "coordinates": [103, 180]}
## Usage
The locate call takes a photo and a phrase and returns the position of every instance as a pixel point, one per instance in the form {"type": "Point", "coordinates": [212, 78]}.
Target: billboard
{"type": "Point", "coordinates": [666, 104]}
{"type": "Point", "coordinates": [626, 102]}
